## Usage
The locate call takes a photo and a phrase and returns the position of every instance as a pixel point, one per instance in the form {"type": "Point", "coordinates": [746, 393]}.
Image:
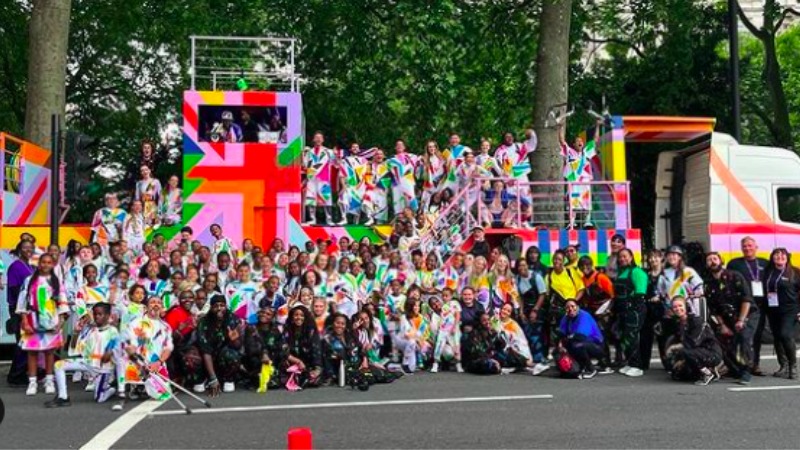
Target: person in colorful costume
{"type": "Point", "coordinates": [108, 221]}
{"type": "Point", "coordinates": [148, 191]}
{"type": "Point", "coordinates": [96, 345]}
{"type": "Point", "coordinates": [352, 184]}
{"type": "Point", "coordinates": [43, 307]}
{"type": "Point", "coordinates": [403, 166]}
{"type": "Point", "coordinates": [319, 162]}
{"type": "Point", "coordinates": [171, 204]}
{"type": "Point", "coordinates": [147, 340]}
{"type": "Point", "coordinates": [578, 163]}
{"type": "Point", "coordinates": [431, 169]}
{"type": "Point", "coordinates": [378, 181]}
{"type": "Point", "coordinates": [514, 160]}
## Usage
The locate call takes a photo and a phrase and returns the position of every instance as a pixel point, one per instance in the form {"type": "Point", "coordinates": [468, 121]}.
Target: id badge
{"type": "Point", "coordinates": [757, 288]}
{"type": "Point", "coordinates": [772, 299]}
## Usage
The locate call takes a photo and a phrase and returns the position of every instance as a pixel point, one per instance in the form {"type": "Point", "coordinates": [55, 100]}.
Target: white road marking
{"type": "Point", "coordinates": [353, 404]}
{"type": "Point", "coordinates": [764, 388]}
{"type": "Point", "coordinates": [118, 428]}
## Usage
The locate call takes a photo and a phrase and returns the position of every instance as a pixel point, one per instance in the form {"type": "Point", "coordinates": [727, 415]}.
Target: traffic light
{"type": "Point", "coordinates": [79, 166]}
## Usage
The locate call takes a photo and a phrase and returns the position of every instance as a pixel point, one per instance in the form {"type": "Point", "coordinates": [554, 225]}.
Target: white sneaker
{"type": "Point", "coordinates": [228, 387]}
{"type": "Point", "coordinates": [342, 222]}
{"type": "Point", "coordinates": [625, 370]}
{"type": "Point", "coordinates": [76, 377]}
{"type": "Point", "coordinates": [49, 387]}
{"type": "Point", "coordinates": [459, 368]}
{"type": "Point", "coordinates": [634, 372]}
{"type": "Point", "coordinates": [539, 368]}
{"type": "Point", "coordinates": [435, 367]}
{"type": "Point", "coordinates": [199, 388]}
{"type": "Point", "coordinates": [507, 370]}
{"type": "Point", "coordinates": [33, 387]}
{"type": "Point", "coordinates": [118, 406]}
{"type": "Point", "coordinates": [89, 387]}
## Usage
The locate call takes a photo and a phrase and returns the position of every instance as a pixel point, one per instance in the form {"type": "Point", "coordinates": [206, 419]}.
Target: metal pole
{"type": "Point", "coordinates": [733, 37]}
{"type": "Point", "coordinates": [55, 165]}
{"type": "Point", "coordinates": [193, 68]}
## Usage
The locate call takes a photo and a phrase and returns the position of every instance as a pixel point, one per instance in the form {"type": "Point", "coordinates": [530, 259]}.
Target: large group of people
{"type": "Point", "coordinates": [230, 315]}
{"type": "Point", "coordinates": [214, 318]}
{"type": "Point", "coordinates": [366, 186]}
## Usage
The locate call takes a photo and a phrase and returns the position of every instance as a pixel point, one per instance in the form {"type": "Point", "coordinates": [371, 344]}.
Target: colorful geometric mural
{"type": "Point", "coordinates": [251, 189]}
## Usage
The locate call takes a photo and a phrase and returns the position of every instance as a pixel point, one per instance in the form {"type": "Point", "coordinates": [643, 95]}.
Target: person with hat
{"type": "Point", "coordinates": [219, 338]}
{"type": "Point", "coordinates": [678, 279]}
{"type": "Point", "coordinates": [229, 131]}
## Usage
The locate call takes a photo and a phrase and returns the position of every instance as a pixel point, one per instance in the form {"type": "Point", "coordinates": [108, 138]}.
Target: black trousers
{"type": "Point", "coordinates": [654, 313]}
{"type": "Point", "coordinates": [582, 351]}
{"type": "Point", "coordinates": [783, 325]}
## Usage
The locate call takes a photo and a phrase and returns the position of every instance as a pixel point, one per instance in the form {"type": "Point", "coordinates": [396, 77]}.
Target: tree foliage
{"type": "Point", "coordinates": [378, 70]}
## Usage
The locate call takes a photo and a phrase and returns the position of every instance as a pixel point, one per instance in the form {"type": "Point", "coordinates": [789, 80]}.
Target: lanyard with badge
{"type": "Point", "coordinates": [755, 280]}
{"type": "Point", "coordinates": [772, 294]}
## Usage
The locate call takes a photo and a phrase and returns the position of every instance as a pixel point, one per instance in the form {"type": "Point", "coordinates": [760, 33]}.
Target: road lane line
{"type": "Point", "coordinates": [353, 404]}
{"type": "Point", "coordinates": [118, 428]}
{"type": "Point", "coordinates": [764, 388]}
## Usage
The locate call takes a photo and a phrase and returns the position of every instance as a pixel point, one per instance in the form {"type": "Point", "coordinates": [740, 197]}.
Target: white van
{"type": "Point", "coordinates": [717, 191]}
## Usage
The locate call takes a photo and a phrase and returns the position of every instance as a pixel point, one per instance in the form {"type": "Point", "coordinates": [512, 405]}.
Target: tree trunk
{"type": "Point", "coordinates": [552, 88]}
{"type": "Point", "coordinates": [782, 134]}
{"type": "Point", "coordinates": [48, 38]}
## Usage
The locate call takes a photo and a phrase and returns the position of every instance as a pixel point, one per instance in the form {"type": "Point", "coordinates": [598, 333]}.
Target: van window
{"type": "Point", "coordinates": [789, 205]}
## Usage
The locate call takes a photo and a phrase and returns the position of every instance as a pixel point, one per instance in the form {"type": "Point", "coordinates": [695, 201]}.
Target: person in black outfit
{"type": "Point", "coordinates": [249, 127]}
{"type": "Point", "coordinates": [479, 245]}
{"type": "Point", "coordinates": [692, 352]}
{"type": "Point", "coordinates": [470, 310]}
{"type": "Point", "coordinates": [734, 316]}
{"type": "Point", "coordinates": [782, 286]}
{"type": "Point", "coordinates": [752, 268]}
{"type": "Point", "coordinates": [479, 348]}
{"type": "Point", "coordinates": [262, 345]}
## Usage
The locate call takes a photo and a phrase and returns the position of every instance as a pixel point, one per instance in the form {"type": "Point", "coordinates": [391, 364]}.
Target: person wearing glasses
{"type": "Point", "coordinates": [782, 285]}
{"type": "Point", "coordinates": [581, 339]}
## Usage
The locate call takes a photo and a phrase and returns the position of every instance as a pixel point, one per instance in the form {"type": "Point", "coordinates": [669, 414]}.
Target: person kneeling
{"type": "Point", "coordinates": [480, 348]}
{"type": "Point", "coordinates": [693, 353]}
{"type": "Point", "coordinates": [95, 345]}
{"type": "Point", "coordinates": [219, 339]}
{"type": "Point", "coordinates": [581, 340]}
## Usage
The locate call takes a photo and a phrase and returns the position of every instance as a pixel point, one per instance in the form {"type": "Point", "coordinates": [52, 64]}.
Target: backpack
{"type": "Point", "coordinates": [567, 366]}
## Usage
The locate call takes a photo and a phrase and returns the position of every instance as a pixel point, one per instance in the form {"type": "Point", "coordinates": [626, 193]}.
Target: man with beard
{"type": "Point", "coordinates": [734, 316]}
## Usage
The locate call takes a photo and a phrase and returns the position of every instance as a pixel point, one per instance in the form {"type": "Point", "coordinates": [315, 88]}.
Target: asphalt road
{"type": "Point", "coordinates": [610, 411]}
